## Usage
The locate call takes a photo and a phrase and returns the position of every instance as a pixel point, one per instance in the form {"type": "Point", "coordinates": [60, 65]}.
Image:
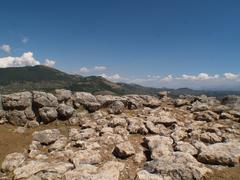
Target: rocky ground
{"type": "Point", "coordinates": [80, 136]}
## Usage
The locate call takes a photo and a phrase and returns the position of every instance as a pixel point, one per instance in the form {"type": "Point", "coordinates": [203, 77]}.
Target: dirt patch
{"type": "Point", "coordinates": [11, 141]}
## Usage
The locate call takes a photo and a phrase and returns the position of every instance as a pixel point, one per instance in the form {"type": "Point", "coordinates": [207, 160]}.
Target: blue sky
{"type": "Point", "coordinates": [150, 42]}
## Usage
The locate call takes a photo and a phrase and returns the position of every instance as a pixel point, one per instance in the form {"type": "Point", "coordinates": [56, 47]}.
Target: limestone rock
{"type": "Point", "coordinates": [47, 136]}
{"type": "Point", "coordinates": [118, 121]}
{"type": "Point", "coordinates": [29, 169]}
{"type": "Point", "coordinates": [42, 99]}
{"type": "Point", "coordinates": [199, 106]}
{"type": "Point", "coordinates": [19, 118]}
{"type": "Point", "coordinates": [124, 150]}
{"type": "Point", "coordinates": [48, 114]}
{"type": "Point", "coordinates": [63, 96]}
{"type": "Point", "coordinates": [226, 154]}
{"type": "Point", "coordinates": [65, 111]}
{"type": "Point", "coordinates": [158, 145]}
{"type": "Point", "coordinates": [145, 175]}
{"type": "Point", "coordinates": [178, 166]}
{"type": "Point", "coordinates": [59, 144]}
{"type": "Point", "coordinates": [116, 107]}
{"type": "Point", "coordinates": [12, 161]}
{"type": "Point", "coordinates": [87, 100]}
{"type": "Point", "coordinates": [181, 102]}
{"type": "Point", "coordinates": [86, 157]}
{"type": "Point", "coordinates": [136, 126]}
{"type": "Point", "coordinates": [211, 138]}
{"type": "Point", "coordinates": [163, 117]}
{"type": "Point", "coordinates": [186, 148]}
{"type": "Point", "coordinates": [17, 101]}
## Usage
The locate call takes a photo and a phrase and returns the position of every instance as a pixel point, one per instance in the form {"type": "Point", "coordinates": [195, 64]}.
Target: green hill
{"type": "Point", "coordinates": [44, 78]}
{"type": "Point", "coordinates": [15, 79]}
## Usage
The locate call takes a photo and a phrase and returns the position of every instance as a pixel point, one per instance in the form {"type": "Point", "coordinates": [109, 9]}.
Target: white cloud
{"type": "Point", "coordinates": [26, 59]}
{"type": "Point", "coordinates": [231, 76]}
{"type": "Point", "coordinates": [49, 63]}
{"type": "Point", "coordinates": [167, 78]}
{"type": "Point", "coordinates": [5, 48]}
{"type": "Point", "coordinates": [100, 68]}
{"type": "Point", "coordinates": [114, 77]}
{"type": "Point", "coordinates": [25, 40]}
{"type": "Point", "coordinates": [84, 70]}
{"type": "Point", "coordinates": [201, 77]}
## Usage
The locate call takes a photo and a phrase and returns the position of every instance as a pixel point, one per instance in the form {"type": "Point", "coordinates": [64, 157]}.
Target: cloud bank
{"type": "Point", "coordinates": [26, 59]}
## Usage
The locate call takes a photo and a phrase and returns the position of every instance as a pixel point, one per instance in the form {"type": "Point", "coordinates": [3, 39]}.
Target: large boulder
{"type": "Point", "coordinates": [86, 157]}
{"type": "Point", "coordinates": [65, 111]}
{"type": "Point", "coordinates": [186, 147]}
{"type": "Point", "coordinates": [20, 118]}
{"type": "Point", "coordinates": [42, 99]}
{"type": "Point", "coordinates": [29, 169]}
{"type": "Point", "coordinates": [163, 117]}
{"type": "Point", "coordinates": [12, 161]}
{"type": "Point", "coordinates": [124, 150]}
{"type": "Point", "coordinates": [47, 136]}
{"type": "Point", "coordinates": [150, 101]}
{"type": "Point", "coordinates": [136, 126]}
{"type": "Point", "coordinates": [109, 171]}
{"type": "Point", "coordinates": [116, 107]}
{"type": "Point", "coordinates": [199, 106]}
{"type": "Point", "coordinates": [87, 100]}
{"type": "Point", "coordinates": [137, 101]}
{"type": "Point", "coordinates": [226, 154]}
{"type": "Point", "coordinates": [232, 102]}
{"type": "Point", "coordinates": [181, 102]}
{"type": "Point", "coordinates": [42, 170]}
{"type": "Point", "coordinates": [106, 100]}
{"type": "Point", "coordinates": [178, 166]}
{"type": "Point", "coordinates": [17, 101]}
{"type": "Point", "coordinates": [211, 138]}
{"type": "Point", "coordinates": [48, 114]}
{"type": "Point", "coordinates": [63, 96]}
{"type": "Point", "coordinates": [158, 145]}
{"type": "Point", "coordinates": [134, 101]}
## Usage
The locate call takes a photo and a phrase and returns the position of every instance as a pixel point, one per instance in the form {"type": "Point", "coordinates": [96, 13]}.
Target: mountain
{"type": "Point", "coordinates": [15, 79]}
{"type": "Point", "coordinates": [40, 77]}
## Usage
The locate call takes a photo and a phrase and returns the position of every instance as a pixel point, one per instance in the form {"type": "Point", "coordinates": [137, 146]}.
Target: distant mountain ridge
{"type": "Point", "coordinates": [15, 79]}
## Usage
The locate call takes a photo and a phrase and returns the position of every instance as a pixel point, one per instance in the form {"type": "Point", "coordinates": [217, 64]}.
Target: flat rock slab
{"type": "Point", "coordinates": [178, 166]}
{"type": "Point", "coordinates": [226, 154]}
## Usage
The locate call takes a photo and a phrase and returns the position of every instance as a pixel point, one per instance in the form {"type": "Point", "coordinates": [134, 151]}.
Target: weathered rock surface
{"type": "Point", "coordinates": [186, 148]}
{"type": "Point", "coordinates": [63, 96]}
{"type": "Point", "coordinates": [124, 150]}
{"type": "Point", "coordinates": [12, 161]}
{"type": "Point", "coordinates": [159, 145]}
{"type": "Point", "coordinates": [47, 136]}
{"type": "Point", "coordinates": [42, 99]}
{"type": "Point", "coordinates": [226, 154]}
{"type": "Point", "coordinates": [178, 165]}
{"type": "Point", "coordinates": [87, 100]}
{"type": "Point", "coordinates": [113, 137]}
{"type": "Point", "coordinates": [145, 175]}
{"type": "Point", "coordinates": [116, 107]}
{"type": "Point", "coordinates": [65, 111]}
{"type": "Point", "coordinates": [19, 118]}
{"type": "Point", "coordinates": [48, 114]}
{"type": "Point", "coordinates": [17, 101]}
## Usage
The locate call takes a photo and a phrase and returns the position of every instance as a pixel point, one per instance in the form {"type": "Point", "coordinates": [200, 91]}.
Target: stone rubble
{"type": "Point", "coordinates": [137, 137]}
